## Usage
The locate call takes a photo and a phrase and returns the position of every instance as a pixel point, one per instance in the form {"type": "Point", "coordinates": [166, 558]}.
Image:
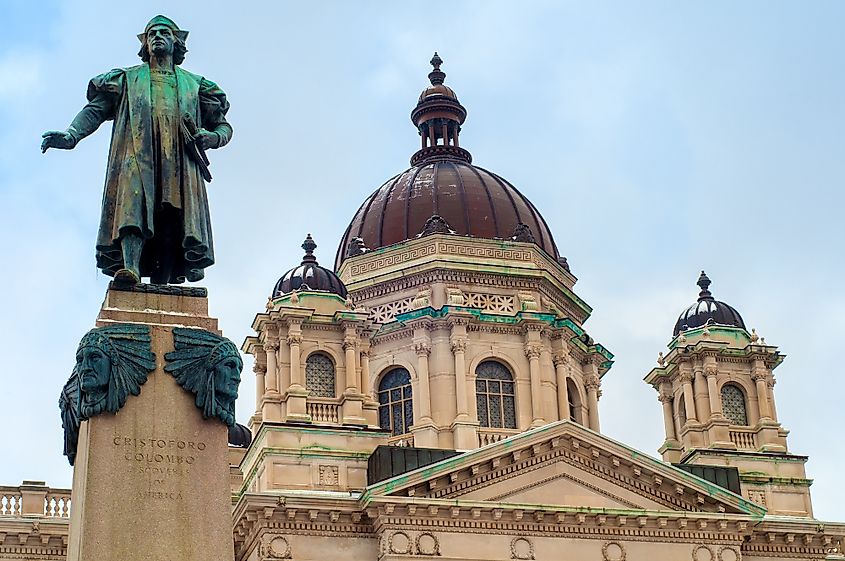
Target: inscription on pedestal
{"type": "Point", "coordinates": [165, 461]}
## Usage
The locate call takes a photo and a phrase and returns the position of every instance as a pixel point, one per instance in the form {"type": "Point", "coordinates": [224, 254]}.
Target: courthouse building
{"type": "Point", "coordinates": [436, 393]}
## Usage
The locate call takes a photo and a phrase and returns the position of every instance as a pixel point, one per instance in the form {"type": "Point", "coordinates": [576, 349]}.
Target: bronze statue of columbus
{"type": "Point", "coordinates": [155, 221]}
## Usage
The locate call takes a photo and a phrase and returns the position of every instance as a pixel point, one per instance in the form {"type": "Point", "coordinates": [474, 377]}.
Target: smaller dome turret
{"type": "Point", "coordinates": [309, 275]}
{"type": "Point", "coordinates": [707, 310]}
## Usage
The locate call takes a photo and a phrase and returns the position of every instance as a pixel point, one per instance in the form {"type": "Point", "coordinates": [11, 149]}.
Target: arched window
{"type": "Point", "coordinates": [320, 375]}
{"type": "Point", "coordinates": [574, 397]}
{"type": "Point", "coordinates": [682, 410]}
{"type": "Point", "coordinates": [494, 395]}
{"type": "Point", "coordinates": [395, 411]}
{"type": "Point", "coordinates": [733, 404]}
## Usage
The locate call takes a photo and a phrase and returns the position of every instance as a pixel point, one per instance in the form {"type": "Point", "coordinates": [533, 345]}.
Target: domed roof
{"type": "Point", "coordinates": [707, 310]}
{"type": "Point", "coordinates": [443, 191]}
{"type": "Point", "coordinates": [309, 275]}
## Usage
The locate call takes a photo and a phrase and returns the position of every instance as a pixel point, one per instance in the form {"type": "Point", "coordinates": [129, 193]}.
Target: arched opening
{"type": "Point", "coordinates": [575, 406]}
{"type": "Point", "coordinates": [494, 395]}
{"type": "Point", "coordinates": [733, 405]}
{"type": "Point", "coordinates": [395, 410]}
{"type": "Point", "coordinates": [682, 411]}
{"type": "Point", "coordinates": [320, 375]}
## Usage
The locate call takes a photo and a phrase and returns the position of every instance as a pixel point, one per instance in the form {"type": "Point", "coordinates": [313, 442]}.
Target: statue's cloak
{"type": "Point", "coordinates": [133, 193]}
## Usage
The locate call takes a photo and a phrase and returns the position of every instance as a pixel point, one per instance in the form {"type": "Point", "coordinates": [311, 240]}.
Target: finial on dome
{"type": "Point", "coordinates": [309, 246]}
{"type": "Point", "coordinates": [704, 284]}
{"type": "Point", "coordinates": [436, 76]}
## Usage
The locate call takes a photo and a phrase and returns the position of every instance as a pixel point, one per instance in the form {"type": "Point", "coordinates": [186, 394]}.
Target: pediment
{"type": "Point", "coordinates": [565, 464]}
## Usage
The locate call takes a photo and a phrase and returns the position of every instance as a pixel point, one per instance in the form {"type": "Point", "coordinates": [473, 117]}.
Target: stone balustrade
{"type": "Point", "coordinates": [34, 498]}
{"type": "Point", "coordinates": [490, 435]}
{"type": "Point", "coordinates": [743, 438]}
{"type": "Point", "coordinates": [323, 411]}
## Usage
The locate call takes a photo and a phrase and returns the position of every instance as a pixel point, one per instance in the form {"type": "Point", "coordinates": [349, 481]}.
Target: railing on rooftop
{"type": "Point", "coordinates": [34, 498]}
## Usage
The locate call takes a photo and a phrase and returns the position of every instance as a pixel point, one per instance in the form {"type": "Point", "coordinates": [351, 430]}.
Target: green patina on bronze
{"type": "Point", "coordinates": [209, 366]}
{"type": "Point", "coordinates": [155, 219]}
{"type": "Point", "coordinates": [112, 363]}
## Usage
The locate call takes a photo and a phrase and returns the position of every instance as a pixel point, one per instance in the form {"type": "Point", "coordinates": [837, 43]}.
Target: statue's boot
{"type": "Point", "coordinates": [130, 274]}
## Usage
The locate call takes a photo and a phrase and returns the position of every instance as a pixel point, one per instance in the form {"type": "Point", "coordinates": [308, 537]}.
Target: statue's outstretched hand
{"type": "Point", "coordinates": [57, 139]}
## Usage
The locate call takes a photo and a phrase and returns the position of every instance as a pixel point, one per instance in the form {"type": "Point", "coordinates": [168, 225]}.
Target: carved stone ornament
{"type": "Point", "coordinates": [400, 543]}
{"type": "Point", "coordinates": [522, 548]}
{"type": "Point", "coordinates": [436, 224]}
{"type": "Point", "coordinates": [274, 546]}
{"type": "Point", "coordinates": [728, 553]}
{"type": "Point", "coordinates": [522, 233]}
{"type": "Point", "coordinates": [209, 366]}
{"type": "Point", "coordinates": [703, 553]}
{"type": "Point", "coordinates": [111, 363]}
{"type": "Point", "coordinates": [427, 543]}
{"type": "Point", "coordinates": [613, 551]}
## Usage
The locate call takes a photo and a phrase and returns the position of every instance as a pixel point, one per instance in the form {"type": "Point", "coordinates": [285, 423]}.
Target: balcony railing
{"type": "Point", "coordinates": [743, 438]}
{"type": "Point", "coordinates": [34, 498]}
{"type": "Point", "coordinates": [323, 411]}
{"type": "Point", "coordinates": [490, 435]}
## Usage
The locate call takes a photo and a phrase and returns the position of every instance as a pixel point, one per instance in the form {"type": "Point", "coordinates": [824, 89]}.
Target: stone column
{"type": "Point", "coordinates": [425, 431]}
{"type": "Point", "coordinates": [260, 372]}
{"type": "Point", "coordinates": [702, 396]}
{"type": "Point", "coordinates": [350, 346]}
{"type": "Point", "coordinates": [271, 408]}
{"type": "Point", "coordinates": [423, 349]}
{"type": "Point", "coordinates": [296, 394]}
{"type": "Point", "coordinates": [533, 347]}
{"type": "Point", "coordinates": [770, 382]}
{"type": "Point", "coordinates": [689, 398]}
{"type": "Point", "coordinates": [671, 449]}
{"type": "Point", "coordinates": [759, 376]}
{"type": "Point", "coordinates": [562, 389]}
{"type": "Point", "coordinates": [713, 391]}
{"type": "Point", "coordinates": [592, 384]}
{"type": "Point", "coordinates": [464, 430]}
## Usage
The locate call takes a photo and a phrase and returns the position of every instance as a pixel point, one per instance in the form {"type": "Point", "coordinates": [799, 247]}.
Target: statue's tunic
{"type": "Point", "coordinates": [152, 186]}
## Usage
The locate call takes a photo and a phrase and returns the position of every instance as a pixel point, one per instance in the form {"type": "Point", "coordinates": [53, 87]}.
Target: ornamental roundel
{"type": "Point", "coordinates": [728, 553]}
{"type": "Point", "coordinates": [613, 551]}
{"type": "Point", "coordinates": [522, 548]}
{"type": "Point", "coordinates": [274, 547]}
{"type": "Point", "coordinates": [400, 543]}
{"type": "Point", "coordinates": [427, 544]}
{"type": "Point", "coordinates": [703, 553]}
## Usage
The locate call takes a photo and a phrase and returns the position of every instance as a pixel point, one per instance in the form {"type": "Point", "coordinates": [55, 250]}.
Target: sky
{"type": "Point", "coordinates": [657, 139]}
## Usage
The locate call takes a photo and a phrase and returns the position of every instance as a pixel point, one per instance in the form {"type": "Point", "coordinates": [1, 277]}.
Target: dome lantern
{"type": "Point", "coordinates": [438, 117]}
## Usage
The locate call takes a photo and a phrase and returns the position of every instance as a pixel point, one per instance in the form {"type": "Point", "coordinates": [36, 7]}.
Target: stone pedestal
{"type": "Point", "coordinates": [151, 482]}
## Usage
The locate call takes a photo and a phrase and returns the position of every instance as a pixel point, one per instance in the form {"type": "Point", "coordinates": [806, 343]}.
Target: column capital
{"type": "Point", "coordinates": [271, 345]}
{"type": "Point", "coordinates": [349, 343]}
{"type": "Point", "coordinates": [560, 358]}
{"type": "Point", "coordinates": [259, 368]}
{"type": "Point", "coordinates": [760, 376]}
{"type": "Point", "coordinates": [533, 350]}
{"type": "Point", "coordinates": [294, 339]}
{"type": "Point", "coordinates": [422, 349]}
{"type": "Point", "coordinates": [665, 397]}
{"type": "Point", "coordinates": [458, 345]}
{"type": "Point", "coordinates": [592, 382]}
{"type": "Point", "coordinates": [687, 376]}
{"type": "Point", "coordinates": [710, 370]}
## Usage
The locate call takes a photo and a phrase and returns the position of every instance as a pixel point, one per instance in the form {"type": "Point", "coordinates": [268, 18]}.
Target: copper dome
{"type": "Point", "coordinates": [472, 201]}
{"type": "Point", "coordinates": [309, 275]}
{"type": "Point", "coordinates": [443, 191]}
{"type": "Point", "coordinates": [707, 310]}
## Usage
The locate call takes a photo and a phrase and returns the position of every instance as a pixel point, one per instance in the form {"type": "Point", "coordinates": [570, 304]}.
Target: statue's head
{"type": "Point", "coordinates": [111, 363]}
{"type": "Point", "coordinates": [163, 37]}
{"type": "Point", "coordinates": [209, 366]}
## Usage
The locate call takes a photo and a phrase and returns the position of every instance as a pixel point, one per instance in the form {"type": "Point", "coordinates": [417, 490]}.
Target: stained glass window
{"type": "Point", "coordinates": [395, 410]}
{"type": "Point", "coordinates": [494, 395]}
{"type": "Point", "coordinates": [733, 405]}
{"type": "Point", "coordinates": [320, 375]}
